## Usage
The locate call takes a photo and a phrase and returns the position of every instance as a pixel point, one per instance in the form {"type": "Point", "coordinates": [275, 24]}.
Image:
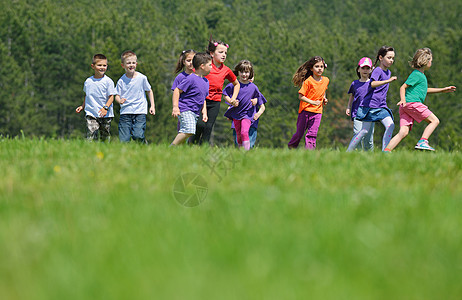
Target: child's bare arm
{"type": "Point", "coordinates": [175, 100]}
{"type": "Point", "coordinates": [260, 112]}
{"type": "Point", "coordinates": [237, 87]}
{"type": "Point", "coordinates": [205, 118]}
{"type": "Point", "coordinates": [350, 103]}
{"type": "Point", "coordinates": [152, 109]}
{"type": "Point", "coordinates": [103, 111]}
{"type": "Point", "coordinates": [81, 107]}
{"type": "Point", "coordinates": [402, 95]}
{"type": "Point", "coordinates": [448, 89]}
{"type": "Point", "coordinates": [375, 84]}
{"type": "Point", "coordinates": [312, 102]}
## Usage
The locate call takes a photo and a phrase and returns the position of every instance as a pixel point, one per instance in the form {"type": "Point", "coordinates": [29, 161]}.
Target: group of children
{"type": "Point", "coordinates": [130, 93]}
{"type": "Point", "coordinates": [368, 101]}
{"type": "Point", "coordinates": [198, 90]}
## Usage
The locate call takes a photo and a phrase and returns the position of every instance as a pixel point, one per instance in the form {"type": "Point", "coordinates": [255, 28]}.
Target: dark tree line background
{"type": "Point", "coordinates": [46, 49]}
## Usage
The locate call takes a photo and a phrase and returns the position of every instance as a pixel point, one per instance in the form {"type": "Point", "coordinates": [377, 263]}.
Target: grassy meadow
{"type": "Point", "coordinates": [82, 220]}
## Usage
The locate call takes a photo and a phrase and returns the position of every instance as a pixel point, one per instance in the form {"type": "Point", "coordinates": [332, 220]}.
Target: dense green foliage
{"type": "Point", "coordinates": [85, 220]}
{"type": "Point", "coordinates": [46, 49]}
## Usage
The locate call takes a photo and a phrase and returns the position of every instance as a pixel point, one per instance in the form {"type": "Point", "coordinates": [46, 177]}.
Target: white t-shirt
{"type": "Point", "coordinates": [97, 92]}
{"type": "Point", "coordinates": [134, 90]}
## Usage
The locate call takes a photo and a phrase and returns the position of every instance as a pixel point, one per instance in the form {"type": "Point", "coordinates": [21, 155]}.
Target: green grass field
{"type": "Point", "coordinates": [83, 220]}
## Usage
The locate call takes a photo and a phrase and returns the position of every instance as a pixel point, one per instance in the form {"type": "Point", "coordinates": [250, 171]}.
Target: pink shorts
{"type": "Point", "coordinates": [413, 111]}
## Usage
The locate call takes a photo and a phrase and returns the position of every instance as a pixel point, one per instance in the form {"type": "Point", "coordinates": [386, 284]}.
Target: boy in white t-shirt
{"type": "Point", "coordinates": [99, 90]}
{"type": "Point", "coordinates": [131, 90]}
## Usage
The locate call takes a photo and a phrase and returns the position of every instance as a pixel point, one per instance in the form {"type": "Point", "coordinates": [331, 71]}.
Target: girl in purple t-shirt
{"type": "Point", "coordinates": [242, 111]}
{"type": "Point", "coordinates": [373, 107]}
{"type": "Point", "coordinates": [358, 91]}
{"type": "Point", "coordinates": [185, 65]}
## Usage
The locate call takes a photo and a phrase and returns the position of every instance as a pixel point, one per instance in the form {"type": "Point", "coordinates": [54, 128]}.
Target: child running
{"type": "Point", "coordinates": [243, 112]}
{"type": "Point", "coordinates": [357, 91]}
{"type": "Point", "coordinates": [259, 109]}
{"type": "Point", "coordinates": [218, 50]}
{"type": "Point", "coordinates": [312, 97]}
{"type": "Point", "coordinates": [189, 98]}
{"type": "Point", "coordinates": [373, 107]}
{"type": "Point", "coordinates": [411, 107]}
{"type": "Point", "coordinates": [131, 90]}
{"type": "Point", "coordinates": [99, 94]}
{"type": "Point", "coordinates": [185, 65]}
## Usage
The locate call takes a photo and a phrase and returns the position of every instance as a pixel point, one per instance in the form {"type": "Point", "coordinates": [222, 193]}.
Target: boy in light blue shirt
{"type": "Point", "coordinates": [99, 90]}
{"type": "Point", "coordinates": [131, 90]}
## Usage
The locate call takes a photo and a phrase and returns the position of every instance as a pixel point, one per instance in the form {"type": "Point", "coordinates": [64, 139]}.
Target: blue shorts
{"type": "Point", "coordinates": [188, 121]}
{"type": "Point", "coordinates": [368, 114]}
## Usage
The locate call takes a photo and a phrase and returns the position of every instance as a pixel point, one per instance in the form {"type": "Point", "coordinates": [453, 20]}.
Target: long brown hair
{"type": "Point", "coordinates": [304, 71]}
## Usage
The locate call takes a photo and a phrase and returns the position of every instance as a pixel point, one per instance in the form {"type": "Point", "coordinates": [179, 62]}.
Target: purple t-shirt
{"type": "Point", "coordinates": [359, 90]}
{"type": "Point", "coordinates": [245, 109]}
{"type": "Point", "coordinates": [377, 97]}
{"type": "Point", "coordinates": [179, 78]}
{"type": "Point", "coordinates": [195, 90]}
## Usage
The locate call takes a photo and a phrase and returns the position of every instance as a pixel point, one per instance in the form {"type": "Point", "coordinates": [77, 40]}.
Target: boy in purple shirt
{"type": "Point", "coordinates": [189, 98]}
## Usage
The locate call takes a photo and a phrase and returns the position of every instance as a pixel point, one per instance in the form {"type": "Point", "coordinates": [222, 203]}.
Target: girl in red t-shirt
{"type": "Point", "coordinates": [218, 50]}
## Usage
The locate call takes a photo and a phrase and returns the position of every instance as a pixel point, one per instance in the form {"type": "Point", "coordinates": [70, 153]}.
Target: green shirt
{"type": "Point", "coordinates": [417, 87]}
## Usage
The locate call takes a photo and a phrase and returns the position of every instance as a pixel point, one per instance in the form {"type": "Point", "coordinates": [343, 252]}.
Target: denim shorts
{"type": "Point", "coordinates": [188, 121]}
{"type": "Point", "coordinates": [368, 114]}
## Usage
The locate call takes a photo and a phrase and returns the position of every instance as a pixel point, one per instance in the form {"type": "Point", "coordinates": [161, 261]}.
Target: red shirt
{"type": "Point", "coordinates": [216, 80]}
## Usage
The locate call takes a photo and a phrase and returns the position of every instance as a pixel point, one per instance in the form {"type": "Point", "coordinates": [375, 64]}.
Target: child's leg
{"type": "Point", "coordinates": [389, 126]}
{"type": "Point", "coordinates": [125, 127]}
{"type": "Point", "coordinates": [313, 126]}
{"type": "Point", "coordinates": [357, 126]}
{"type": "Point", "coordinates": [237, 125]}
{"type": "Point", "coordinates": [366, 127]}
{"type": "Point", "coordinates": [105, 128]}
{"type": "Point", "coordinates": [213, 108]}
{"type": "Point", "coordinates": [92, 128]}
{"type": "Point", "coordinates": [433, 122]}
{"type": "Point", "coordinates": [302, 123]}
{"type": "Point", "coordinates": [235, 137]}
{"type": "Point", "coordinates": [245, 126]}
{"type": "Point", "coordinates": [403, 132]}
{"type": "Point", "coordinates": [139, 128]}
{"type": "Point", "coordinates": [368, 140]}
{"type": "Point", "coordinates": [252, 136]}
{"type": "Point", "coordinates": [181, 138]}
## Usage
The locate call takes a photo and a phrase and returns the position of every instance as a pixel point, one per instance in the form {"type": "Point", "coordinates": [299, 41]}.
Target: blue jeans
{"type": "Point", "coordinates": [252, 136]}
{"type": "Point", "coordinates": [132, 126]}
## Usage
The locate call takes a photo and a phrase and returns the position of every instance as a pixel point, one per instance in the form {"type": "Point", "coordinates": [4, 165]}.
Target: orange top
{"type": "Point", "coordinates": [313, 90]}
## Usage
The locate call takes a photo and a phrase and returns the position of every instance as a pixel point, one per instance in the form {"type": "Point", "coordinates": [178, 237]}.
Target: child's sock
{"type": "Point", "coordinates": [246, 145]}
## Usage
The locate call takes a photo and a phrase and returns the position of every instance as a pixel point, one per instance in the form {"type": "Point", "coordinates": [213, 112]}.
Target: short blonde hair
{"type": "Point", "coordinates": [126, 55]}
{"type": "Point", "coordinates": [421, 58]}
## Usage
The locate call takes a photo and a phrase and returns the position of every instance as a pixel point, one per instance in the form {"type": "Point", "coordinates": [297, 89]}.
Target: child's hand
{"type": "Point", "coordinates": [122, 100]}
{"type": "Point", "coordinates": [256, 116]}
{"type": "Point", "coordinates": [205, 118]}
{"type": "Point", "coordinates": [102, 112]}
{"type": "Point", "coordinates": [449, 89]}
{"type": "Point", "coordinates": [152, 110]}
{"type": "Point", "coordinates": [314, 102]}
{"type": "Point", "coordinates": [235, 103]}
{"type": "Point", "coordinates": [79, 109]}
{"type": "Point", "coordinates": [254, 101]}
{"type": "Point", "coordinates": [348, 112]}
{"type": "Point", "coordinates": [401, 103]}
{"type": "Point", "coordinates": [176, 112]}
{"type": "Point", "coordinates": [325, 101]}
{"type": "Point", "coordinates": [393, 78]}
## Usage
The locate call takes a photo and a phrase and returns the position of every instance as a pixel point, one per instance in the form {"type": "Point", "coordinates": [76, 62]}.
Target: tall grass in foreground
{"type": "Point", "coordinates": [85, 220]}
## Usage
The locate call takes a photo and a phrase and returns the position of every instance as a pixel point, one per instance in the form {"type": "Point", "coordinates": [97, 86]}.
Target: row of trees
{"type": "Point", "coordinates": [47, 45]}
